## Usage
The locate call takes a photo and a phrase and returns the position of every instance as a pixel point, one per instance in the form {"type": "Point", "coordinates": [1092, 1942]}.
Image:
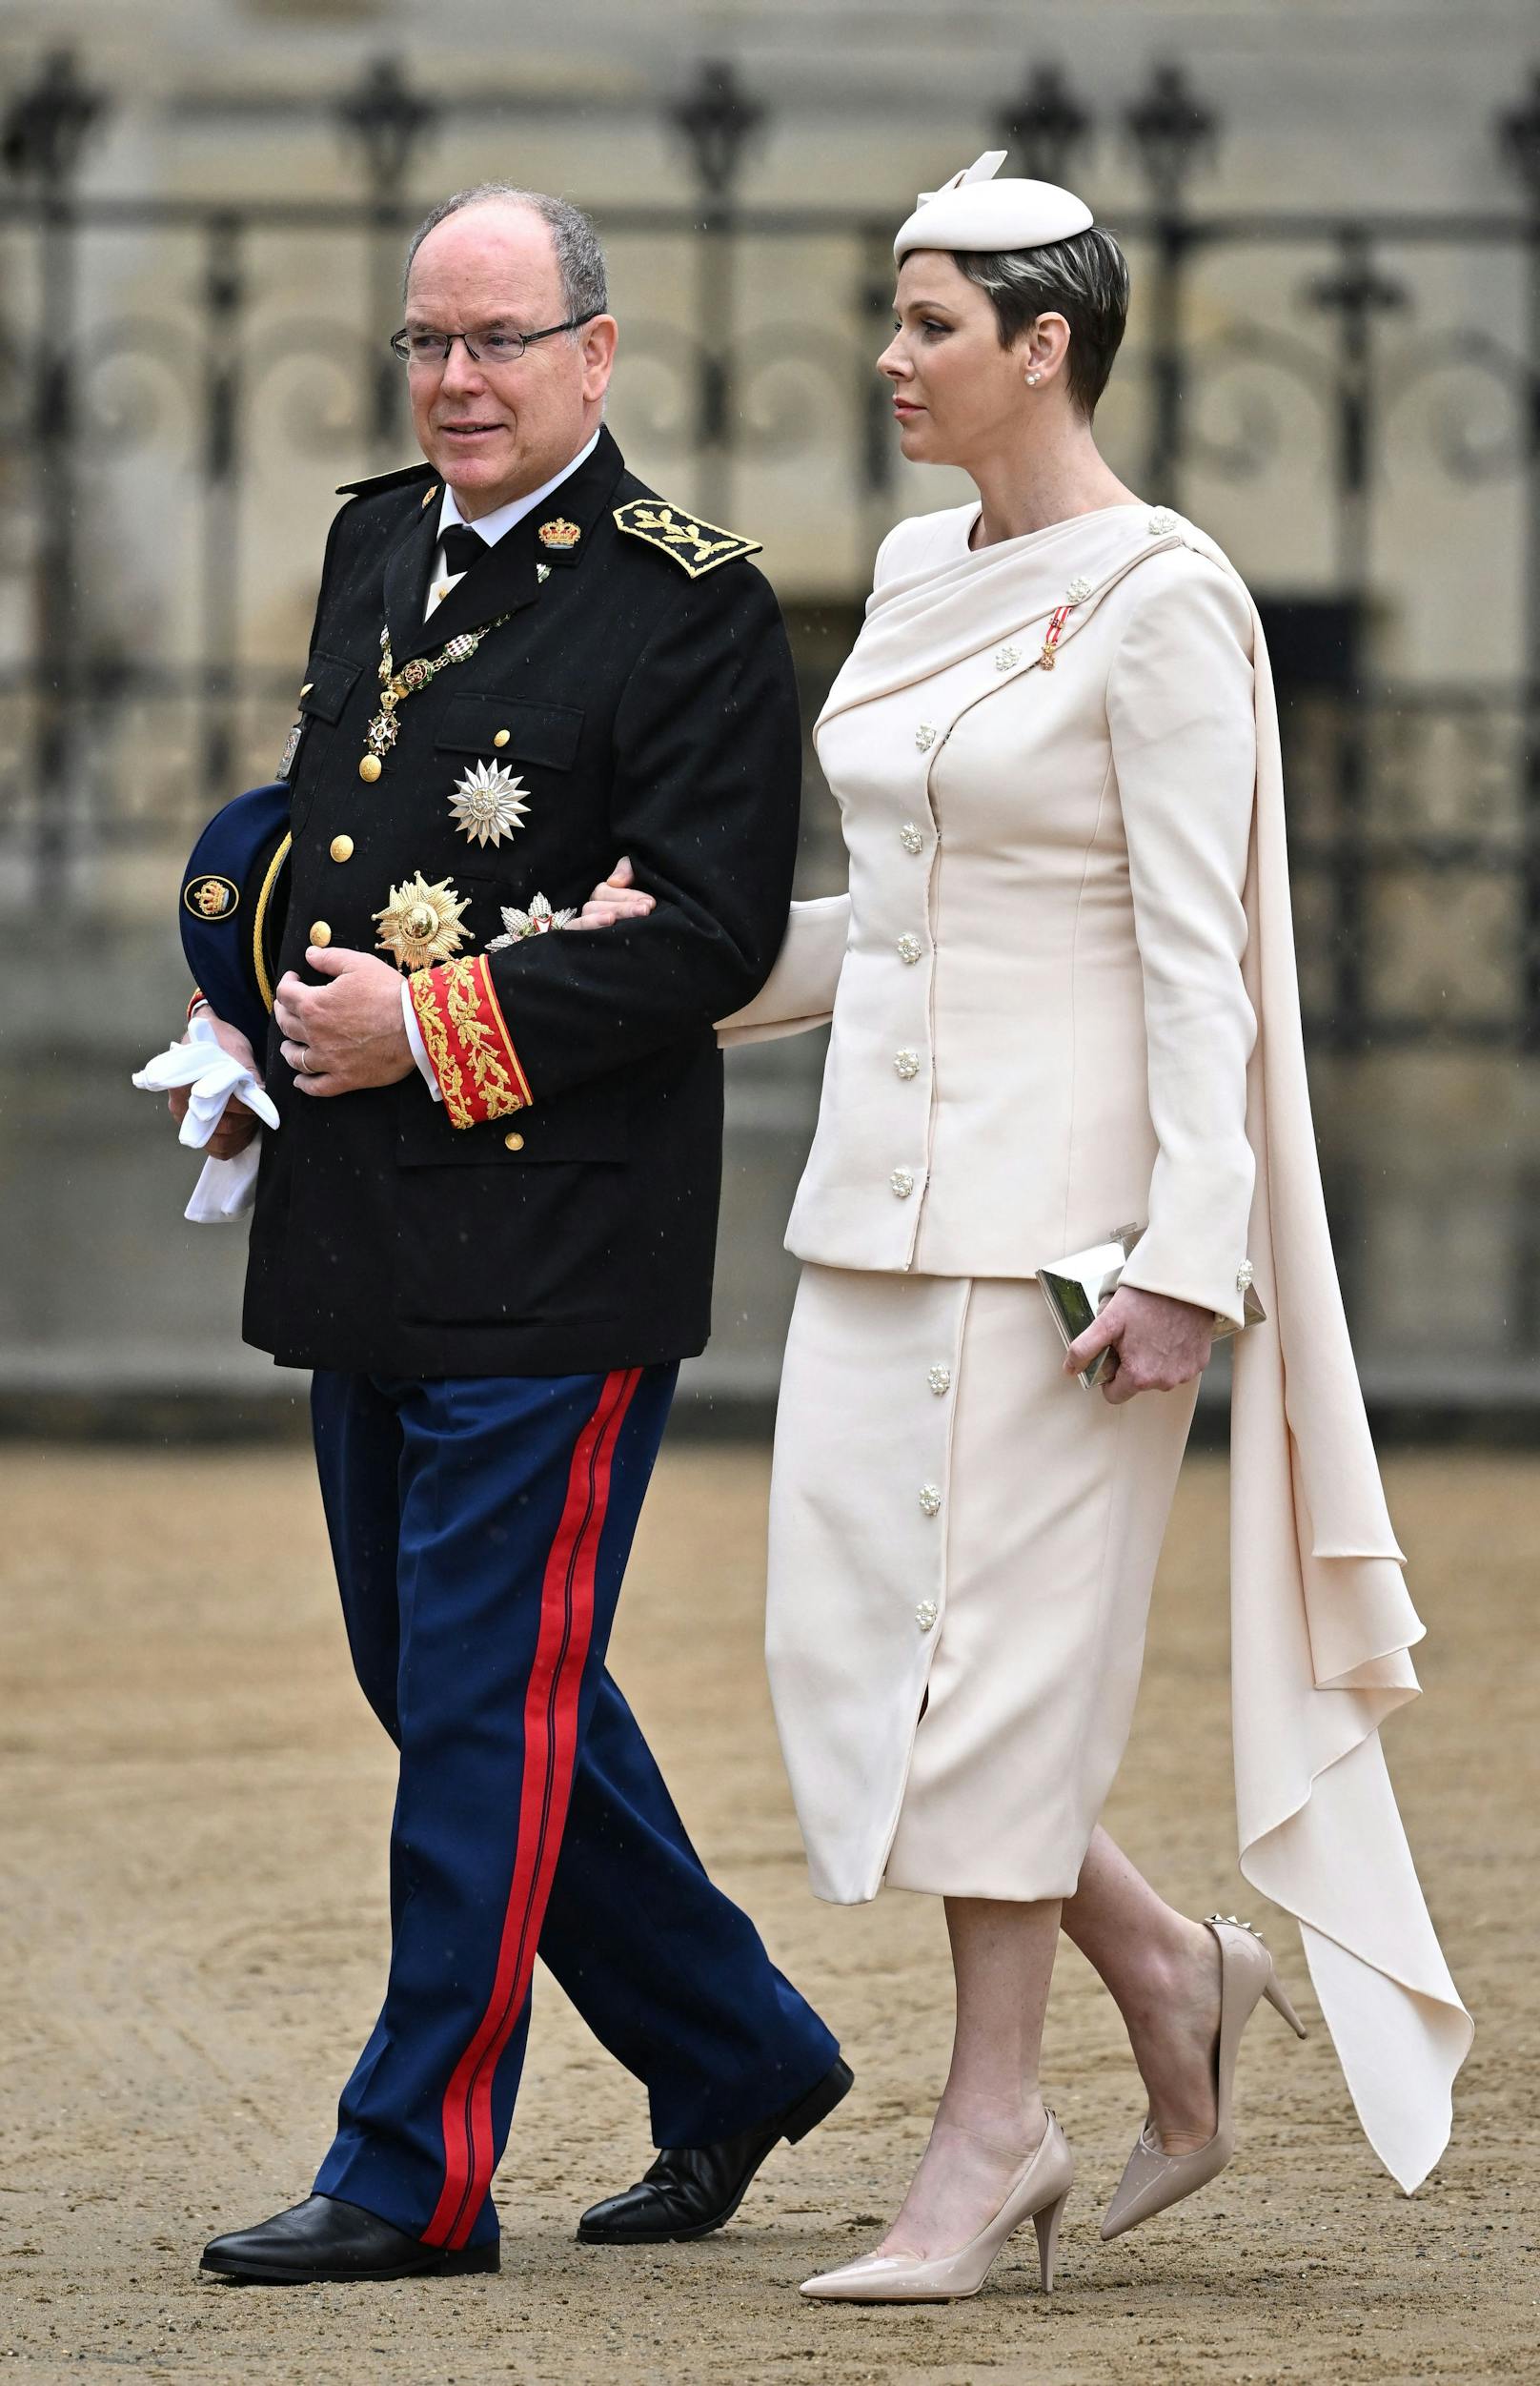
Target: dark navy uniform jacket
{"type": "Point", "coordinates": [640, 689]}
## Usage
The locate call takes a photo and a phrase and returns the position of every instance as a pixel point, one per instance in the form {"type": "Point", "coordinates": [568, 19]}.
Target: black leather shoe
{"type": "Point", "coordinates": [692, 2189]}
{"type": "Point", "coordinates": [324, 2238]}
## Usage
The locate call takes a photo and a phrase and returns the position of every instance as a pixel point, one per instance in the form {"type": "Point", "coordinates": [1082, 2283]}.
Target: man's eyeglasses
{"type": "Point", "coordinates": [499, 345]}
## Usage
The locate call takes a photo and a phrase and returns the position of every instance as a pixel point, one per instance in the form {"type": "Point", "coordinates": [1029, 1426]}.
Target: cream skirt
{"type": "Point", "coordinates": [962, 1548]}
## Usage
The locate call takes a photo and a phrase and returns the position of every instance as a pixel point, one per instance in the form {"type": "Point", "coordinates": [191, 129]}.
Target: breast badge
{"type": "Point", "coordinates": [421, 923]}
{"type": "Point", "coordinates": [538, 921]}
{"type": "Point", "coordinates": [489, 803]}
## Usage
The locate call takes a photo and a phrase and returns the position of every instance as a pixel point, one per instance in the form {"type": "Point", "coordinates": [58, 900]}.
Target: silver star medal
{"type": "Point", "coordinates": [538, 921]}
{"type": "Point", "coordinates": [489, 803]}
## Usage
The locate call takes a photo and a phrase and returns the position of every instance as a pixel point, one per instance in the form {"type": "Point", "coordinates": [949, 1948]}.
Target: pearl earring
{"type": "Point", "coordinates": [1032, 379]}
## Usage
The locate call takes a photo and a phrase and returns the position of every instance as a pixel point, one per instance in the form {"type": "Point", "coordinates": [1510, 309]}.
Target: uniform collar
{"type": "Point", "coordinates": [493, 525]}
{"type": "Point", "coordinates": [511, 575]}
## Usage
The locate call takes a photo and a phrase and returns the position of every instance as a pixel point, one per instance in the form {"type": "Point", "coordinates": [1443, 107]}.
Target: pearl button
{"type": "Point", "coordinates": [1007, 659]}
{"type": "Point", "coordinates": [341, 849]}
{"type": "Point", "coordinates": [320, 932]}
{"type": "Point", "coordinates": [902, 1181]}
{"type": "Point", "coordinates": [926, 1615]}
{"type": "Point", "coordinates": [907, 1063]}
{"type": "Point", "coordinates": [515, 1142]}
{"type": "Point", "coordinates": [910, 949]}
{"type": "Point", "coordinates": [1162, 521]}
{"type": "Point", "coordinates": [939, 1381]}
{"type": "Point", "coordinates": [911, 838]}
{"type": "Point", "coordinates": [1078, 590]}
{"type": "Point", "coordinates": [1246, 1276]}
{"type": "Point", "coordinates": [930, 1498]}
{"type": "Point", "coordinates": [503, 737]}
{"type": "Point", "coordinates": [924, 737]}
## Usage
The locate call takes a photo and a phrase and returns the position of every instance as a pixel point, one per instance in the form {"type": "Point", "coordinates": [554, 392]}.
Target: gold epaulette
{"type": "Point", "coordinates": [696, 546]}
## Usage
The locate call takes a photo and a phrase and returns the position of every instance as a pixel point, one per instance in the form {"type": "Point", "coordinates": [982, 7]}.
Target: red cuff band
{"type": "Point", "coordinates": [468, 1044]}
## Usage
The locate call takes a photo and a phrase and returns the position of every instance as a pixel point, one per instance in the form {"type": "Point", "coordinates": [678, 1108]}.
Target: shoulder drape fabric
{"type": "Point", "coordinates": [1321, 1622]}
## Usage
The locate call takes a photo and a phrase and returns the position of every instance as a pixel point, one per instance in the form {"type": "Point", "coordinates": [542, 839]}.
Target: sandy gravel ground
{"type": "Point", "coordinates": [196, 1810]}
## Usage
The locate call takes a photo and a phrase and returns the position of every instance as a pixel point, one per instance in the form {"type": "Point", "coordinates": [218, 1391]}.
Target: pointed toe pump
{"type": "Point", "coordinates": [1038, 2194]}
{"type": "Point", "coordinates": [1154, 2179]}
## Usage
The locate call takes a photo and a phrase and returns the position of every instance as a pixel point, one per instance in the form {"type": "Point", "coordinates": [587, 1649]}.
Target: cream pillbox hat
{"type": "Point", "coordinates": [973, 210]}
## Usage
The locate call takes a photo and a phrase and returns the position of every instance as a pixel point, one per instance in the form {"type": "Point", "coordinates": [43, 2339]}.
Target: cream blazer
{"type": "Point", "coordinates": [1064, 999]}
{"type": "Point", "coordinates": [1040, 1029]}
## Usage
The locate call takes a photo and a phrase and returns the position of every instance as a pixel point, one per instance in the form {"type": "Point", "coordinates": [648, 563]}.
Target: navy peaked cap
{"type": "Point", "coordinates": [234, 892]}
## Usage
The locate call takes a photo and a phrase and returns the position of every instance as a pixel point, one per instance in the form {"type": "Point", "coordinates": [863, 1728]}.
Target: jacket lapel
{"type": "Point", "coordinates": [510, 574]}
{"type": "Point", "coordinates": [406, 582]}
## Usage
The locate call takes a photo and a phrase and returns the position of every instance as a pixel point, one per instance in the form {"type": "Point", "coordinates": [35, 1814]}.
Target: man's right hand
{"type": "Point", "coordinates": [238, 1125]}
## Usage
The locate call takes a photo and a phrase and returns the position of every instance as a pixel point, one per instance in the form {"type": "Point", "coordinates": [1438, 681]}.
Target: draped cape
{"type": "Point", "coordinates": [1321, 1620]}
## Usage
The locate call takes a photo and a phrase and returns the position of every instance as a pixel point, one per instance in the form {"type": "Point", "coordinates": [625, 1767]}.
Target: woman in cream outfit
{"type": "Point", "coordinates": [1063, 999]}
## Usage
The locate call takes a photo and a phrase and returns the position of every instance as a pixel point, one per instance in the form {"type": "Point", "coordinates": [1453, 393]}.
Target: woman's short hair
{"type": "Point", "coordinates": [1085, 279]}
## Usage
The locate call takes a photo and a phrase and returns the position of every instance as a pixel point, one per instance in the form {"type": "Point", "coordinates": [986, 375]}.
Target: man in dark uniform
{"type": "Point", "coordinates": [487, 1223]}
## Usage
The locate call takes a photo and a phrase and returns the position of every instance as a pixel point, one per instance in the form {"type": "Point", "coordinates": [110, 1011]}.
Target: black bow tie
{"type": "Point", "coordinates": [462, 547]}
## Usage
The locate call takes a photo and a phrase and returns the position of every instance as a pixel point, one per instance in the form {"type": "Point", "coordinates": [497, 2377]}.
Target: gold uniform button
{"type": "Point", "coordinates": [515, 1143]}
{"type": "Point", "coordinates": [341, 849]}
{"type": "Point", "coordinates": [369, 769]}
{"type": "Point", "coordinates": [320, 932]}
{"type": "Point", "coordinates": [503, 737]}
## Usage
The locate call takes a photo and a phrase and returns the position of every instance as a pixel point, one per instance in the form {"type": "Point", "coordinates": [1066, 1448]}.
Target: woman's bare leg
{"type": "Point", "coordinates": [990, 2115]}
{"type": "Point", "coordinates": [1163, 1972]}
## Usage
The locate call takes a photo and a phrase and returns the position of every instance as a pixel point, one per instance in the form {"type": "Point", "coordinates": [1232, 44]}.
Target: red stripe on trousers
{"type": "Point", "coordinates": [550, 1761]}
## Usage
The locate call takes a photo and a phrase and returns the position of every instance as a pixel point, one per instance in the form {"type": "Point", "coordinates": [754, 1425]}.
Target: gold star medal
{"type": "Point", "coordinates": [489, 803]}
{"type": "Point", "coordinates": [421, 923]}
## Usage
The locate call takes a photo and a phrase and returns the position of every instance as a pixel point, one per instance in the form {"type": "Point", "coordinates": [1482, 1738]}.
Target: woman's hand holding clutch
{"type": "Point", "coordinates": [1155, 1342]}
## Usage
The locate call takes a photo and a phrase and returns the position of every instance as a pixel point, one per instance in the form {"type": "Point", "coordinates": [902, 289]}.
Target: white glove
{"type": "Point", "coordinates": [213, 1076]}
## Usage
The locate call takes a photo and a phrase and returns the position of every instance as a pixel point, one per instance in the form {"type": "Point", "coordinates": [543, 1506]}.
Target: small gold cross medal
{"type": "Point", "coordinates": [1051, 641]}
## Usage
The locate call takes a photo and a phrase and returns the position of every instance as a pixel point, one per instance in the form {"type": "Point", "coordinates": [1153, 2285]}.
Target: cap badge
{"type": "Point", "coordinates": [421, 923]}
{"type": "Point", "coordinates": [489, 803]}
{"type": "Point", "coordinates": [211, 898]}
{"type": "Point", "coordinates": [560, 534]}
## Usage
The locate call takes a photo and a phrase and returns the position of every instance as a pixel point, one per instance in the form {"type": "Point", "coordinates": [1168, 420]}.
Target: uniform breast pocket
{"type": "Point", "coordinates": [329, 682]}
{"type": "Point", "coordinates": [498, 728]}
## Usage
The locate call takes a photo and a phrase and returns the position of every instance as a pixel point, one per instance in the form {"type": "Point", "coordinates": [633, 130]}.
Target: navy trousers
{"type": "Point", "coordinates": [481, 1527]}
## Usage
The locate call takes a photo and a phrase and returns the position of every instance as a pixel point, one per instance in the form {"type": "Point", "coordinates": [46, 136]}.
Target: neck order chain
{"type": "Point", "coordinates": [395, 686]}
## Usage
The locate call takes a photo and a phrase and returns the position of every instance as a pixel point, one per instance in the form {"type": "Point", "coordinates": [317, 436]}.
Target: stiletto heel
{"type": "Point", "coordinates": [1154, 2179]}
{"type": "Point", "coordinates": [1277, 1996]}
{"type": "Point", "coordinates": [1038, 2192]}
{"type": "Point", "coordinates": [1046, 2224]}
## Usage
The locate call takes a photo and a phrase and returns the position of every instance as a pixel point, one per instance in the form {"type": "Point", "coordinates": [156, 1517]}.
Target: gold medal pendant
{"type": "Point", "coordinates": [489, 803]}
{"type": "Point", "coordinates": [421, 923]}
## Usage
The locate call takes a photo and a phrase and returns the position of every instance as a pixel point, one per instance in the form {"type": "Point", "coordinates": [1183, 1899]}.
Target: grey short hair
{"type": "Point", "coordinates": [1085, 279]}
{"type": "Point", "coordinates": [580, 258]}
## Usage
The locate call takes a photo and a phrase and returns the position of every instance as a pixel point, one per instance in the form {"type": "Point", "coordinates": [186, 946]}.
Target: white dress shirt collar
{"type": "Point", "coordinates": [495, 525]}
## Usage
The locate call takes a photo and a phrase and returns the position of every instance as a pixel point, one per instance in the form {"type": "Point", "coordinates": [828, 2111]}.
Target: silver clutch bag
{"type": "Point", "coordinates": [1078, 1289]}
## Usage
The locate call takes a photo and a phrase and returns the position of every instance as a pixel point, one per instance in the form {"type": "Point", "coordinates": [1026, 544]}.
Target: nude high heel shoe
{"type": "Point", "coordinates": [1038, 2194]}
{"type": "Point", "coordinates": [1153, 2179]}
